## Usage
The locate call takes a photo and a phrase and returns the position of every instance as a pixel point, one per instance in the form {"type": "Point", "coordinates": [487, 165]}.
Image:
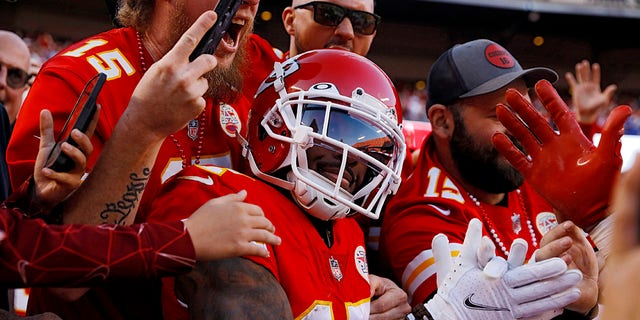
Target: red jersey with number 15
{"type": "Point", "coordinates": [321, 282]}
{"type": "Point", "coordinates": [117, 53]}
{"type": "Point", "coordinates": [432, 202]}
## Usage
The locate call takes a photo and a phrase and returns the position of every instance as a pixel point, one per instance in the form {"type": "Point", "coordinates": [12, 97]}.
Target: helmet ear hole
{"type": "Point", "coordinates": [262, 133]}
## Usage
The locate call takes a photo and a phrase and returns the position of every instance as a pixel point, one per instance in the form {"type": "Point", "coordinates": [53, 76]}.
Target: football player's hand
{"type": "Point", "coordinates": [388, 301]}
{"type": "Point", "coordinates": [586, 96]}
{"type": "Point", "coordinates": [503, 289]}
{"type": "Point", "coordinates": [51, 187]}
{"type": "Point", "coordinates": [586, 173]}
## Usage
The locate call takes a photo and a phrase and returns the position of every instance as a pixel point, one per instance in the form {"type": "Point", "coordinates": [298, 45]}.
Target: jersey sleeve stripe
{"type": "Point", "coordinates": [421, 268]}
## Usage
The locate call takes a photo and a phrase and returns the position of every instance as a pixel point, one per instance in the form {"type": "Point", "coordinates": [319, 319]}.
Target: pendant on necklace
{"type": "Point", "coordinates": [192, 129]}
{"type": "Point", "coordinates": [515, 223]}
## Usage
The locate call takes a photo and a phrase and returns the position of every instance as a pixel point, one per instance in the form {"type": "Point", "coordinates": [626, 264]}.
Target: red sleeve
{"type": "Point", "coordinates": [406, 244]}
{"type": "Point", "coordinates": [36, 254]}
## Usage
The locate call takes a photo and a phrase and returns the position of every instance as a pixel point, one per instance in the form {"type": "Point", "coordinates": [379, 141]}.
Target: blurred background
{"type": "Point", "coordinates": [552, 33]}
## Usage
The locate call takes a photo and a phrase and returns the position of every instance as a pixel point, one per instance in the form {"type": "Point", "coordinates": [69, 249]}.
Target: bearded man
{"type": "Point", "coordinates": [151, 28]}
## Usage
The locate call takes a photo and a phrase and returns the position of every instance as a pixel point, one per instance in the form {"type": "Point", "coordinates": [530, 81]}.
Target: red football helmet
{"type": "Point", "coordinates": [326, 126]}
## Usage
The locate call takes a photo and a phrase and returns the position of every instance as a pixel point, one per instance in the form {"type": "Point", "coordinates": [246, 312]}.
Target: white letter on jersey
{"type": "Point", "coordinates": [447, 190]}
{"type": "Point", "coordinates": [109, 62]}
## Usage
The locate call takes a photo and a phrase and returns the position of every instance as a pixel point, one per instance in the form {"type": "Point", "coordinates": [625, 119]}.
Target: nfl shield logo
{"type": "Point", "coordinates": [192, 129]}
{"type": "Point", "coordinates": [335, 268]}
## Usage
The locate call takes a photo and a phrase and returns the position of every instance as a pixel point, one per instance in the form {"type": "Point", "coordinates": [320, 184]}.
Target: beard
{"type": "Point", "coordinates": [225, 82]}
{"type": "Point", "coordinates": [482, 165]}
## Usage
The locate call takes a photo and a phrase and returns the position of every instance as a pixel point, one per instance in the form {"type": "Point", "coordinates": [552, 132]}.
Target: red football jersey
{"type": "Point", "coordinates": [431, 202]}
{"type": "Point", "coordinates": [321, 282]}
{"type": "Point", "coordinates": [57, 86]}
{"type": "Point", "coordinates": [116, 53]}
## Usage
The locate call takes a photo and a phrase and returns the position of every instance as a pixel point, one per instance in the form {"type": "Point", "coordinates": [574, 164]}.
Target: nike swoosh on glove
{"type": "Point", "coordinates": [497, 289]}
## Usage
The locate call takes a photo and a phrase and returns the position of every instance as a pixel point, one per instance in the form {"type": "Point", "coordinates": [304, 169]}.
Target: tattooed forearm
{"type": "Point", "coordinates": [117, 212]}
{"type": "Point", "coordinates": [234, 288]}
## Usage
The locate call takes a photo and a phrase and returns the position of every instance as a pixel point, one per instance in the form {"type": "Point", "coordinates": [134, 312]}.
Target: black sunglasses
{"type": "Point", "coordinates": [16, 77]}
{"type": "Point", "coordinates": [329, 14]}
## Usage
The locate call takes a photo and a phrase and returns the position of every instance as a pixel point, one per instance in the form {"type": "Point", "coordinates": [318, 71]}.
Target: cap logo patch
{"type": "Point", "coordinates": [499, 56]}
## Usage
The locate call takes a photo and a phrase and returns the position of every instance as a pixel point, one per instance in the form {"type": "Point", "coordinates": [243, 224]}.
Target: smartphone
{"type": "Point", "coordinates": [80, 118]}
{"type": "Point", "coordinates": [225, 10]}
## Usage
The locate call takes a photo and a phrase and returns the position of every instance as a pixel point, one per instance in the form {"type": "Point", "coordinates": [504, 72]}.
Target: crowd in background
{"type": "Point", "coordinates": [414, 100]}
{"type": "Point", "coordinates": [413, 94]}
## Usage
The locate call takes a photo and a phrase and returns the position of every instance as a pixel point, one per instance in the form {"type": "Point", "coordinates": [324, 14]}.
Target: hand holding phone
{"type": "Point", "coordinates": [225, 10]}
{"type": "Point", "coordinates": [80, 118]}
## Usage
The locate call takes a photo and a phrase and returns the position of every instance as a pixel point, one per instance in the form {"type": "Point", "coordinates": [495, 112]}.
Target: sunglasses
{"type": "Point", "coordinates": [16, 77]}
{"type": "Point", "coordinates": [329, 14]}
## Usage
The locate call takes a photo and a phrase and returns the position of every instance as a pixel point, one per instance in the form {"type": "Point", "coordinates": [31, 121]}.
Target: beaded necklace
{"type": "Point", "coordinates": [195, 129]}
{"type": "Point", "coordinates": [492, 228]}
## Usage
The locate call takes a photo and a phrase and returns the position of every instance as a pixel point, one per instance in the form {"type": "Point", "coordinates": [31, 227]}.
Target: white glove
{"type": "Point", "coordinates": [479, 285]}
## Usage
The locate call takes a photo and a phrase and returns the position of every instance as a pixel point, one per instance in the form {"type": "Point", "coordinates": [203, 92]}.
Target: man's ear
{"type": "Point", "coordinates": [288, 15]}
{"type": "Point", "coordinates": [441, 119]}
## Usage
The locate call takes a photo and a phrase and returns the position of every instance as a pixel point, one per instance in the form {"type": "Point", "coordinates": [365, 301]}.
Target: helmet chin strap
{"type": "Point", "coordinates": [278, 84]}
{"type": "Point", "coordinates": [316, 203]}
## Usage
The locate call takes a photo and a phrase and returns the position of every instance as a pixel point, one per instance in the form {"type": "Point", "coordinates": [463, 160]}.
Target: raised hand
{"type": "Point", "coordinates": [588, 99]}
{"type": "Point", "coordinates": [52, 187]}
{"type": "Point", "coordinates": [171, 92]}
{"type": "Point", "coordinates": [564, 167]}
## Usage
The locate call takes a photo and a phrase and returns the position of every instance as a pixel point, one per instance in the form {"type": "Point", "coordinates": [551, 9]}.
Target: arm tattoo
{"type": "Point", "coordinates": [117, 212]}
{"type": "Point", "coordinates": [234, 288]}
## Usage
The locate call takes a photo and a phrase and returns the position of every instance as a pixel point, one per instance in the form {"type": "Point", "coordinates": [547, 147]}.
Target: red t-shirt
{"type": "Point", "coordinates": [317, 279]}
{"type": "Point", "coordinates": [431, 202]}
